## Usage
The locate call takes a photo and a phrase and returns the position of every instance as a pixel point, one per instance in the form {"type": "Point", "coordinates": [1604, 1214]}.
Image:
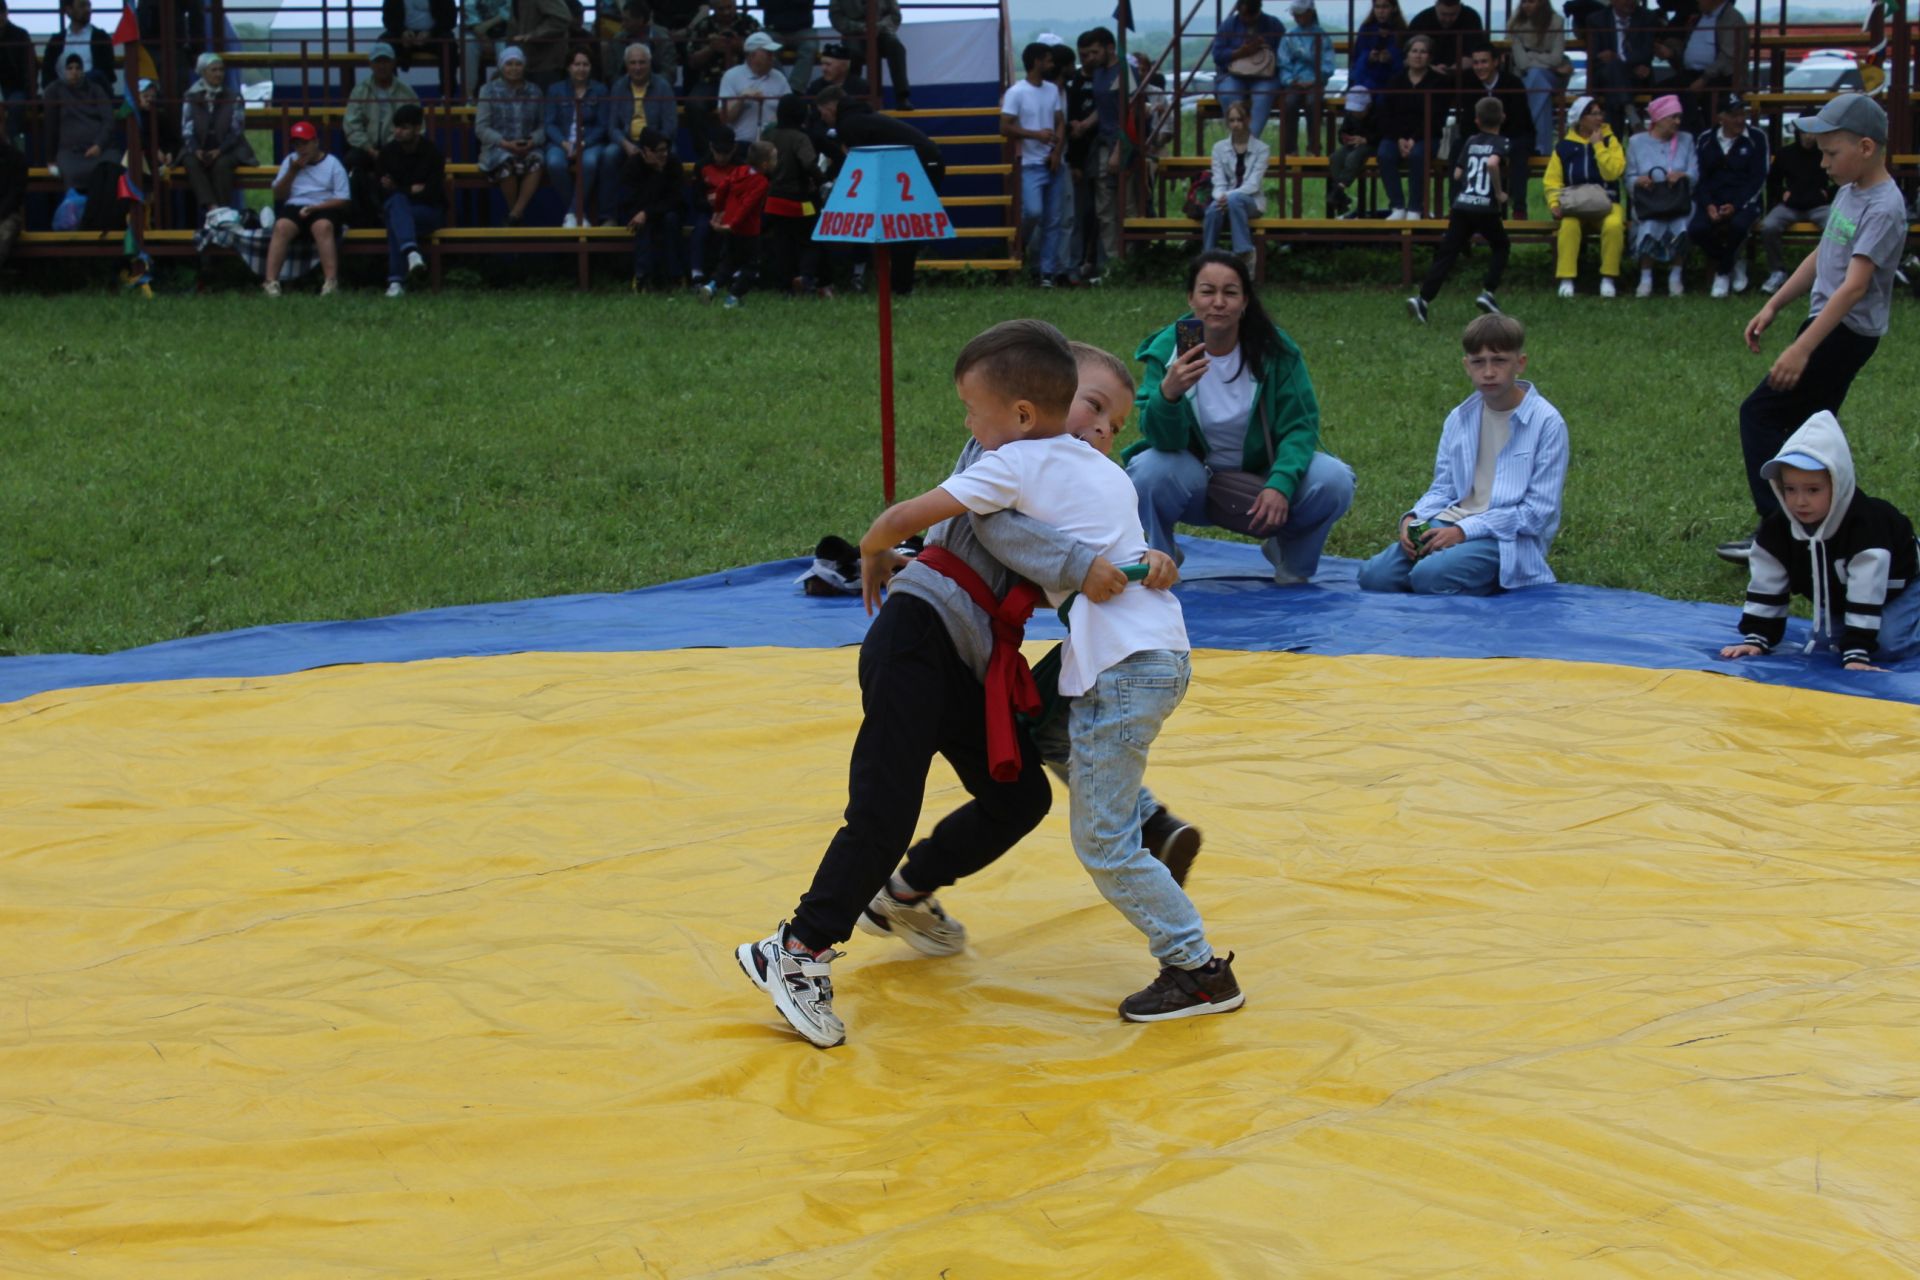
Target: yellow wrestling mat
{"type": "Point", "coordinates": [426, 970]}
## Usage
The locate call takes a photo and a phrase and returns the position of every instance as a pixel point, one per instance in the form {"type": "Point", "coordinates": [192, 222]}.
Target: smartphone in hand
{"type": "Point", "coordinates": [1187, 334]}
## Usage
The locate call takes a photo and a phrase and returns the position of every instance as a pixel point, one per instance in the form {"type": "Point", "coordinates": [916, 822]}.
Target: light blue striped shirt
{"type": "Point", "coordinates": [1524, 509]}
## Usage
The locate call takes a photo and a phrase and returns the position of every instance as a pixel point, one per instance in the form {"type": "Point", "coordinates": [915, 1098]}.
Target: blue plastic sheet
{"type": "Point", "coordinates": [1228, 595]}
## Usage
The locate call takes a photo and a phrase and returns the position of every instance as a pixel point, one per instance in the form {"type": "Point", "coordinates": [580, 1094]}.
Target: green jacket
{"type": "Point", "coordinates": [1283, 396]}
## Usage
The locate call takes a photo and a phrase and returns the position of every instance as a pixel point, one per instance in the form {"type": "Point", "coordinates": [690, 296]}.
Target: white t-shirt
{"type": "Point", "coordinates": [1496, 428]}
{"type": "Point", "coordinates": [1069, 484]}
{"type": "Point", "coordinates": [1034, 106]}
{"type": "Point", "coordinates": [755, 115]}
{"type": "Point", "coordinates": [1222, 405]}
{"type": "Point", "coordinates": [324, 181]}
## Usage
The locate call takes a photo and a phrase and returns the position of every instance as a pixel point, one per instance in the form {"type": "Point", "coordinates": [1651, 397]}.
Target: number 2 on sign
{"type": "Point", "coordinates": [853, 184]}
{"type": "Point", "coordinates": [906, 188]}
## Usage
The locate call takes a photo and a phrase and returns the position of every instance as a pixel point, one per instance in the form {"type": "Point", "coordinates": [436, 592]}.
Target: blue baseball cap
{"type": "Point", "coordinates": [1799, 461]}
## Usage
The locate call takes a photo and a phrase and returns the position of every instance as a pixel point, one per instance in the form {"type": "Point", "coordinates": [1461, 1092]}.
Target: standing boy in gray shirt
{"type": "Point", "coordinates": [1850, 277]}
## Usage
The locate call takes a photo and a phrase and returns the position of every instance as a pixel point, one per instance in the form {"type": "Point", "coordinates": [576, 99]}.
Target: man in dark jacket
{"type": "Point", "coordinates": [13, 187]}
{"type": "Point", "coordinates": [852, 123]}
{"type": "Point", "coordinates": [1803, 193]}
{"type": "Point", "coordinates": [19, 72]}
{"type": "Point", "coordinates": [421, 30]}
{"type": "Point", "coordinates": [413, 184]}
{"type": "Point", "coordinates": [1620, 49]}
{"type": "Point", "coordinates": [653, 201]}
{"type": "Point", "coordinates": [77, 34]}
{"type": "Point", "coordinates": [1455, 30]}
{"type": "Point", "coordinates": [1733, 184]}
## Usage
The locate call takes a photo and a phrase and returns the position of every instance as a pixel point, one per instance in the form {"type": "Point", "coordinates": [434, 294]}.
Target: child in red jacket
{"type": "Point", "coordinates": [737, 203]}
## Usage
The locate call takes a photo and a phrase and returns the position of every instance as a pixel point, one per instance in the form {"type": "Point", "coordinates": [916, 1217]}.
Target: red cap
{"type": "Point", "coordinates": [302, 132]}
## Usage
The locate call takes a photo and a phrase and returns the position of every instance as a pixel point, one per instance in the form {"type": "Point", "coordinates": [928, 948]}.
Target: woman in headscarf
{"type": "Point", "coordinates": [80, 124]}
{"type": "Point", "coordinates": [509, 124]}
{"type": "Point", "coordinates": [213, 133]}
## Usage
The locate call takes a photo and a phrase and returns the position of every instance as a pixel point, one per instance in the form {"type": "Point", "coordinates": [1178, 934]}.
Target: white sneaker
{"type": "Point", "coordinates": [1417, 308]}
{"type": "Point", "coordinates": [1396, 215]}
{"type": "Point", "coordinates": [1773, 282]}
{"type": "Point", "coordinates": [569, 222]}
{"type": "Point", "coordinates": [1740, 277]}
{"type": "Point", "coordinates": [1720, 287]}
{"type": "Point", "coordinates": [416, 265]}
{"type": "Point", "coordinates": [1608, 289]}
{"type": "Point", "coordinates": [1566, 288]}
{"type": "Point", "coordinates": [1645, 288]}
{"type": "Point", "coordinates": [271, 288]}
{"type": "Point", "coordinates": [329, 288]}
{"type": "Point", "coordinates": [801, 987]}
{"type": "Point", "coordinates": [396, 290]}
{"type": "Point", "coordinates": [1676, 282]}
{"type": "Point", "coordinates": [921, 924]}
{"type": "Point", "coordinates": [1485, 301]}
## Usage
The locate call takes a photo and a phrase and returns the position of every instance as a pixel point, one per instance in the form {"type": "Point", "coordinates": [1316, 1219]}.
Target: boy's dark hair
{"type": "Point", "coordinates": [1034, 54]}
{"type": "Point", "coordinates": [791, 113]}
{"type": "Point", "coordinates": [1489, 114]}
{"type": "Point", "coordinates": [1085, 353]}
{"type": "Point", "coordinates": [762, 154]}
{"type": "Point", "coordinates": [722, 141]}
{"type": "Point", "coordinates": [652, 138]}
{"type": "Point", "coordinates": [1025, 360]}
{"type": "Point", "coordinates": [409, 113]}
{"type": "Point", "coordinates": [1494, 333]}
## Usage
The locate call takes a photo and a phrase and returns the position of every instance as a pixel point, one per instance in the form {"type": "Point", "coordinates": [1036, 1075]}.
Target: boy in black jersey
{"type": "Point", "coordinates": [1479, 198]}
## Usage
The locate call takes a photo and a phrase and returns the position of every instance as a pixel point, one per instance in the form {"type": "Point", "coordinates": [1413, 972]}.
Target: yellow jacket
{"type": "Point", "coordinates": [1575, 162]}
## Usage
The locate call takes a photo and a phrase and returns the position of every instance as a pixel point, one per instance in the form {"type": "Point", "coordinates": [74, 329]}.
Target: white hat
{"type": "Point", "coordinates": [760, 41]}
{"type": "Point", "coordinates": [1297, 7]}
{"type": "Point", "coordinates": [1049, 38]}
{"type": "Point", "coordinates": [1578, 109]}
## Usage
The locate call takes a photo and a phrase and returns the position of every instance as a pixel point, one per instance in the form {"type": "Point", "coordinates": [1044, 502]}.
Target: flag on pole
{"type": "Point", "coordinates": [1123, 15]}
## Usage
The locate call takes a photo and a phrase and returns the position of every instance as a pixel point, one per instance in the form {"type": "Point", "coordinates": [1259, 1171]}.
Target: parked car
{"type": "Point", "coordinates": [1577, 82]}
{"type": "Point", "coordinates": [1825, 75]}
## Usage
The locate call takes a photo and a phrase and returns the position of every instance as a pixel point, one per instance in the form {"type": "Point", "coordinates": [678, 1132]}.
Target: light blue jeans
{"type": "Point", "coordinates": [1045, 198]}
{"type": "Point", "coordinates": [1173, 490]}
{"type": "Point", "coordinates": [1542, 85]}
{"type": "Point", "coordinates": [1899, 629]}
{"type": "Point", "coordinates": [1472, 568]}
{"type": "Point", "coordinates": [1231, 89]}
{"type": "Point", "coordinates": [1238, 208]}
{"type": "Point", "coordinates": [559, 176]}
{"type": "Point", "coordinates": [1110, 727]}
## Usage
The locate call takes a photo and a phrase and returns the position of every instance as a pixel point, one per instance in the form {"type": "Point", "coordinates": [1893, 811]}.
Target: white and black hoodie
{"type": "Point", "coordinates": [1862, 554]}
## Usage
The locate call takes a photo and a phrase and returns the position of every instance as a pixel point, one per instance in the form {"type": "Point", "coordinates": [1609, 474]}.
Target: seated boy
{"type": "Point", "coordinates": [1489, 517]}
{"type": "Point", "coordinates": [1831, 542]}
{"type": "Point", "coordinates": [1125, 664]}
{"type": "Point", "coordinates": [924, 665]}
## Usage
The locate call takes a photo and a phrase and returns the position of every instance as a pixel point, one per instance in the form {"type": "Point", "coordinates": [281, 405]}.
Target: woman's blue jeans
{"type": "Point", "coordinates": [1258, 94]}
{"type": "Point", "coordinates": [1238, 209]}
{"type": "Point", "coordinates": [1391, 163]}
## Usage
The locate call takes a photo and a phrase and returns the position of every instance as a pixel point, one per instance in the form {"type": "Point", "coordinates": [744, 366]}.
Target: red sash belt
{"type": "Point", "coordinates": [1010, 686]}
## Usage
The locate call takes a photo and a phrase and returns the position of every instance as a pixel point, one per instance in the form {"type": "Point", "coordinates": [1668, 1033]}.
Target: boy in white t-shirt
{"type": "Point", "coordinates": [1034, 112]}
{"type": "Point", "coordinates": [1125, 664]}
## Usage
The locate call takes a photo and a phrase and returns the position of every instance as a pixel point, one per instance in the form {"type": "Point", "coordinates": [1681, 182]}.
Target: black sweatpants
{"type": "Point", "coordinates": [1462, 226]}
{"type": "Point", "coordinates": [1768, 417]}
{"type": "Point", "coordinates": [789, 251]}
{"type": "Point", "coordinates": [918, 700]}
{"type": "Point", "coordinates": [739, 262]}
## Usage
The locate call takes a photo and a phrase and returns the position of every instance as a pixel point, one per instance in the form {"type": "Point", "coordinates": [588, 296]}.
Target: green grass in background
{"type": "Point", "coordinates": [192, 465]}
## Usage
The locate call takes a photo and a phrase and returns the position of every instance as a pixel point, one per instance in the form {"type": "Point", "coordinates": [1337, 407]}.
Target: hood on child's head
{"type": "Point", "coordinates": [1819, 440]}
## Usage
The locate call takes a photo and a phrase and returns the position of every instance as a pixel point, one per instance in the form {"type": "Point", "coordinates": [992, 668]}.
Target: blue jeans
{"type": "Point", "coordinates": [1542, 85]}
{"type": "Point", "coordinates": [1232, 89]}
{"type": "Point", "coordinates": [1472, 568]}
{"type": "Point", "coordinates": [1173, 490]}
{"type": "Point", "coordinates": [662, 233]}
{"type": "Point", "coordinates": [1110, 727]}
{"type": "Point", "coordinates": [407, 220]}
{"type": "Point", "coordinates": [559, 176]}
{"type": "Point", "coordinates": [1899, 630]}
{"type": "Point", "coordinates": [1390, 164]}
{"type": "Point", "coordinates": [1238, 209]}
{"type": "Point", "coordinates": [1044, 196]}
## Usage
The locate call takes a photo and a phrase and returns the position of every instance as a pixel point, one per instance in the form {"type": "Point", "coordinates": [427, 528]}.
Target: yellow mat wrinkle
{"type": "Point", "coordinates": [425, 970]}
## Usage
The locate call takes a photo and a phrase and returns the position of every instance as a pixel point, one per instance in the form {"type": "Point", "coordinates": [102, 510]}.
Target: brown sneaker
{"type": "Point", "coordinates": [1185, 993]}
{"type": "Point", "coordinates": [1173, 841]}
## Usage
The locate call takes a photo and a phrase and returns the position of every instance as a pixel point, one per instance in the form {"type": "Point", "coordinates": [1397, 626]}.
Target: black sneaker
{"type": "Point", "coordinates": [1185, 993]}
{"type": "Point", "coordinates": [1172, 841]}
{"type": "Point", "coordinates": [1417, 308]}
{"type": "Point", "coordinates": [1738, 551]}
{"type": "Point", "coordinates": [1485, 301]}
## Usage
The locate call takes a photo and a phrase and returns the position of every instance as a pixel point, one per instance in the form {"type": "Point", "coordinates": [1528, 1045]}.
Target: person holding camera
{"type": "Point", "coordinates": [1230, 428]}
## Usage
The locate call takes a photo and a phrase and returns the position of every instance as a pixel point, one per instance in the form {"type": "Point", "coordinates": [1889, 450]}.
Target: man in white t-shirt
{"type": "Point", "coordinates": [1034, 112]}
{"type": "Point", "coordinates": [310, 193]}
{"type": "Point", "coordinates": [750, 93]}
{"type": "Point", "coordinates": [1125, 665]}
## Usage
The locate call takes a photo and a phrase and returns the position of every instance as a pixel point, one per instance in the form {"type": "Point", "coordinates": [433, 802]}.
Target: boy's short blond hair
{"type": "Point", "coordinates": [1085, 354]}
{"type": "Point", "coordinates": [1494, 333]}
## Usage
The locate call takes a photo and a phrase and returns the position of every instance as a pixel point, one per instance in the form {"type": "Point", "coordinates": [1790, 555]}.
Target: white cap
{"type": "Point", "coordinates": [1048, 37]}
{"type": "Point", "coordinates": [760, 41]}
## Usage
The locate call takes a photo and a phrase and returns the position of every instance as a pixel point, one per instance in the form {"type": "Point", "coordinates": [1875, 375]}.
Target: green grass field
{"type": "Point", "coordinates": [196, 464]}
